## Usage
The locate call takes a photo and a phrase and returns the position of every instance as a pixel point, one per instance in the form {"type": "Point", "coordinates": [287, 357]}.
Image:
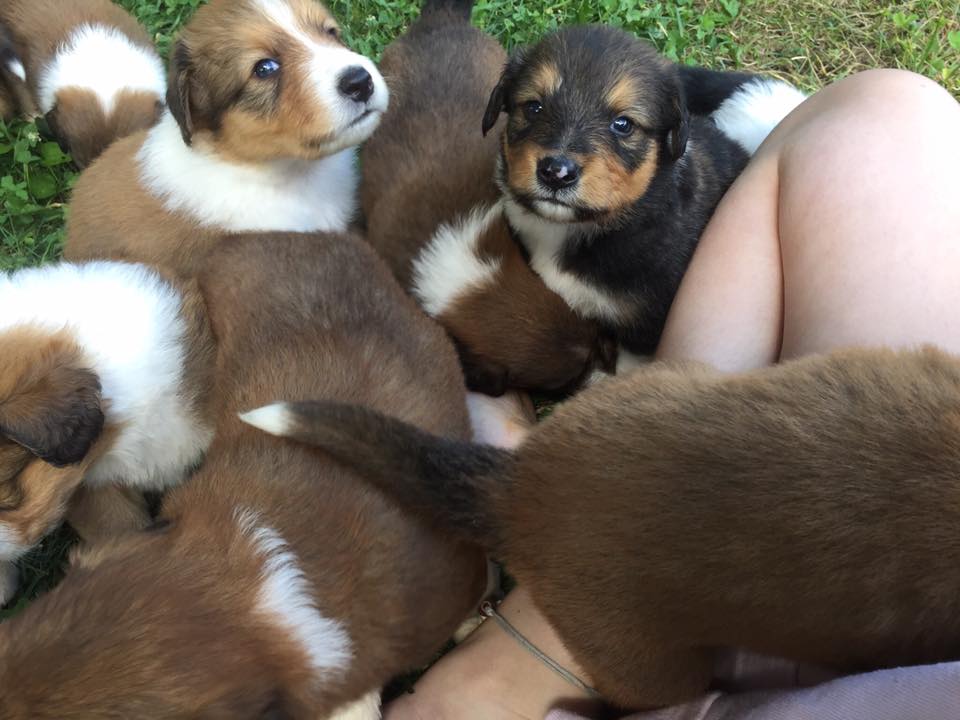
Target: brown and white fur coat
{"type": "Point", "coordinates": [88, 67]}
{"type": "Point", "coordinates": [266, 105]}
{"type": "Point", "coordinates": [105, 381]}
{"type": "Point", "coordinates": [276, 583]}
{"type": "Point", "coordinates": [660, 516]}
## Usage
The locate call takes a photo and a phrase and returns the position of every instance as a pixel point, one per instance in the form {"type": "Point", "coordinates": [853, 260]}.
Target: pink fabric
{"type": "Point", "coordinates": [915, 693]}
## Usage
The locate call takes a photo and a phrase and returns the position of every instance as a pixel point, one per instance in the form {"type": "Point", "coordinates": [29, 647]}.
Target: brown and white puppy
{"type": "Point", "coordinates": [430, 203]}
{"type": "Point", "coordinates": [276, 583]}
{"type": "Point", "coordinates": [265, 106]}
{"type": "Point", "coordinates": [105, 381]}
{"type": "Point", "coordinates": [91, 70]}
{"type": "Point", "coordinates": [807, 510]}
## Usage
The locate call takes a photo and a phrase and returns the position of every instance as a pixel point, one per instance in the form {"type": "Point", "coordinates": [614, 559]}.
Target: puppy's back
{"type": "Point", "coordinates": [429, 161]}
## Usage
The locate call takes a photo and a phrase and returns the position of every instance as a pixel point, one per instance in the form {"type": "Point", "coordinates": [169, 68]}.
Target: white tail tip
{"type": "Point", "coordinates": [276, 419]}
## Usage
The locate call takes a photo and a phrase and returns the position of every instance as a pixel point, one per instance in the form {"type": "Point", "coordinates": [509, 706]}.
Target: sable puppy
{"type": "Point", "coordinates": [265, 106]}
{"type": "Point", "coordinates": [608, 180]}
{"type": "Point", "coordinates": [90, 68]}
{"type": "Point", "coordinates": [660, 516]}
{"type": "Point", "coordinates": [105, 381]}
{"type": "Point", "coordinates": [276, 583]}
{"type": "Point", "coordinates": [427, 194]}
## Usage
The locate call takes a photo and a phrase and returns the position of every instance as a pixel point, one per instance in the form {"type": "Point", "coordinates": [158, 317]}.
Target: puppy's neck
{"type": "Point", "coordinates": [131, 326]}
{"type": "Point", "coordinates": [281, 196]}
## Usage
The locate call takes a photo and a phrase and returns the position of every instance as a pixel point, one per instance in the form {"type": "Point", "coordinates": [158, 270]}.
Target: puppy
{"type": "Point", "coordinates": [607, 179]}
{"type": "Point", "coordinates": [276, 583]}
{"type": "Point", "coordinates": [808, 511]}
{"type": "Point", "coordinates": [265, 106]}
{"type": "Point", "coordinates": [106, 376]}
{"type": "Point", "coordinates": [92, 71]}
{"type": "Point", "coordinates": [432, 211]}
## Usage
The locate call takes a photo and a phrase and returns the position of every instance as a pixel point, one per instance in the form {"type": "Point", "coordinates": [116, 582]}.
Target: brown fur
{"type": "Point", "coordinates": [38, 28]}
{"type": "Point", "coordinates": [516, 333]}
{"type": "Point", "coordinates": [428, 165]}
{"type": "Point", "coordinates": [807, 510]}
{"type": "Point", "coordinates": [221, 110]}
{"type": "Point", "coordinates": [52, 430]}
{"type": "Point", "coordinates": [211, 65]}
{"type": "Point", "coordinates": [133, 225]}
{"type": "Point", "coordinates": [132, 615]}
{"type": "Point", "coordinates": [607, 183]}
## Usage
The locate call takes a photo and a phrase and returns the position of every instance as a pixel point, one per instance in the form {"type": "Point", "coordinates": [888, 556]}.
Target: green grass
{"type": "Point", "coordinates": [807, 41]}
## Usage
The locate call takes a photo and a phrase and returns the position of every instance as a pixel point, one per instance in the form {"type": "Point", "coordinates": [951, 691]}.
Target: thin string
{"type": "Point", "coordinates": [488, 610]}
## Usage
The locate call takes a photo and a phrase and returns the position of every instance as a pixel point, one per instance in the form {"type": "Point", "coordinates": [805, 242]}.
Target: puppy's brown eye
{"type": "Point", "coordinates": [622, 126]}
{"type": "Point", "coordinates": [333, 32]}
{"type": "Point", "coordinates": [531, 109]}
{"type": "Point", "coordinates": [266, 68]}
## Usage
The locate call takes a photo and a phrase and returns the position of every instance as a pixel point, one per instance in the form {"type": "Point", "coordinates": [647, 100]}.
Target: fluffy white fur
{"type": "Point", "coordinates": [544, 240]}
{"type": "Point", "coordinates": [104, 60]}
{"type": "Point", "coordinates": [126, 319]}
{"type": "Point", "coordinates": [273, 419]}
{"type": "Point", "coordinates": [285, 195]}
{"type": "Point", "coordinates": [354, 121]}
{"type": "Point", "coordinates": [366, 708]}
{"type": "Point", "coordinates": [753, 111]}
{"type": "Point", "coordinates": [448, 266]}
{"type": "Point", "coordinates": [286, 598]}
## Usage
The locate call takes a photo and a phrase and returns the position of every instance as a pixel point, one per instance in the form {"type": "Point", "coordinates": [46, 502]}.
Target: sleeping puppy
{"type": "Point", "coordinates": [432, 211]}
{"type": "Point", "coordinates": [608, 180]}
{"type": "Point", "coordinates": [276, 583]}
{"type": "Point", "coordinates": [91, 70]}
{"type": "Point", "coordinates": [105, 381]}
{"type": "Point", "coordinates": [660, 516]}
{"type": "Point", "coordinates": [265, 107]}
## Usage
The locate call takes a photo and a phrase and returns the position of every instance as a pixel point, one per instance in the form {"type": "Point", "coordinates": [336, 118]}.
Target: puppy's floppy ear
{"type": "Point", "coordinates": [56, 415]}
{"type": "Point", "coordinates": [178, 89]}
{"type": "Point", "coordinates": [501, 93]}
{"type": "Point", "coordinates": [680, 125]}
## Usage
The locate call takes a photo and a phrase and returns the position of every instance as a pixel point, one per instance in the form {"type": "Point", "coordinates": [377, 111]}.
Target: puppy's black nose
{"type": "Point", "coordinates": [558, 173]}
{"type": "Point", "coordinates": [356, 84]}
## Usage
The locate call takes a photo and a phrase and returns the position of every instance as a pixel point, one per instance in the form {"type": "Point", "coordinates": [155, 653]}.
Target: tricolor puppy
{"type": "Point", "coordinates": [276, 583]}
{"type": "Point", "coordinates": [265, 107]}
{"type": "Point", "coordinates": [807, 510]}
{"type": "Point", "coordinates": [90, 68]}
{"type": "Point", "coordinates": [432, 211]}
{"type": "Point", "coordinates": [608, 179]}
{"type": "Point", "coordinates": [105, 381]}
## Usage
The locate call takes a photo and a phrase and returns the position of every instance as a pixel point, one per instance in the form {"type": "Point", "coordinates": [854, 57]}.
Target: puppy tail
{"type": "Point", "coordinates": [450, 483]}
{"type": "Point", "coordinates": [459, 9]}
{"type": "Point", "coordinates": [755, 109]}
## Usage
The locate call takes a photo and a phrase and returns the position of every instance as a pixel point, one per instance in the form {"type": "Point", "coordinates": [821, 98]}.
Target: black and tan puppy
{"type": "Point", "coordinates": [807, 510]}
{"type": "Point", "coordinates": [608, 179]}
{"type": "Point", "coordinates": [432, 211]}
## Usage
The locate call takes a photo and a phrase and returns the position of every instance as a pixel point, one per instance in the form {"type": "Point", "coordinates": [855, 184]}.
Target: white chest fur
{"type": "Point", "coordinates": [127, 320]}
{"type": "Point", "coordinates": [544, 240]}
{"type": "Point", "coordinates": [283, 196]}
